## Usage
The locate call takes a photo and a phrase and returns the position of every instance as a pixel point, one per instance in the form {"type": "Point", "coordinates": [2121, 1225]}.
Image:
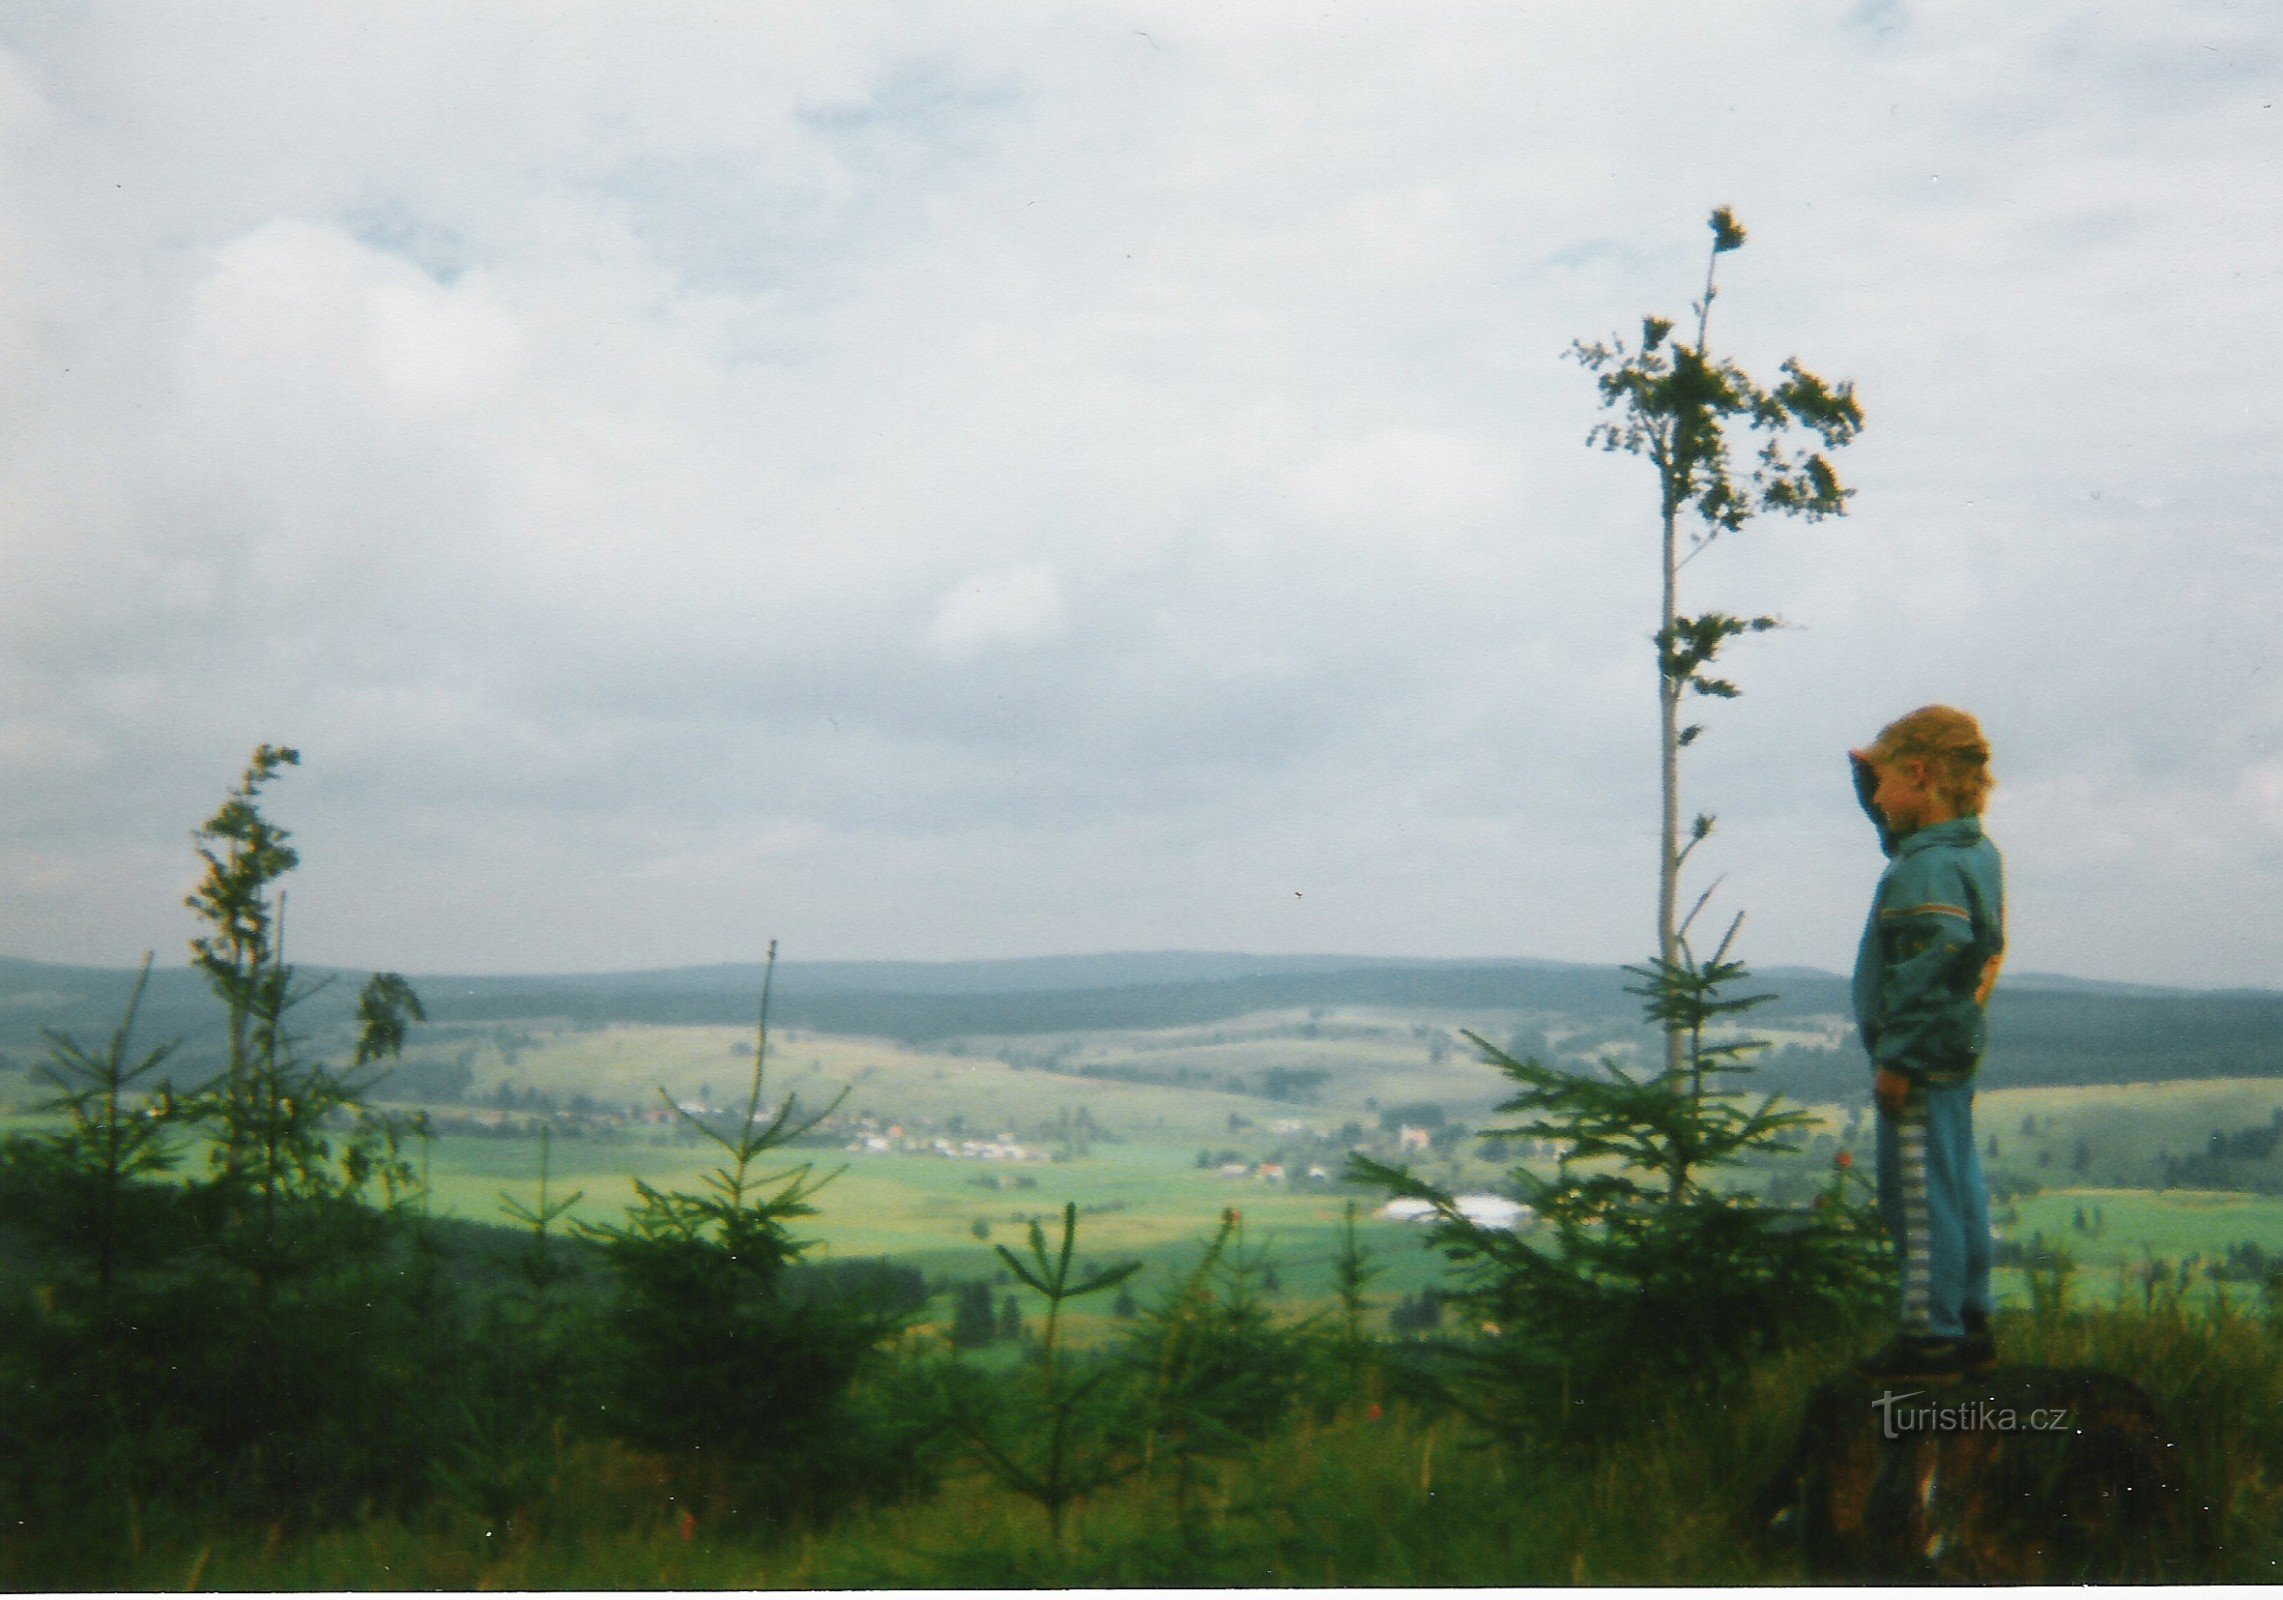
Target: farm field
{"type": "Point", "coordinates": [1144, 1202]}
{"type": "Point", "coordinates": [1150, 1202]}
{"type": "Point", "coordinates": [939, 1153]}
{"type": "Point", "coordinates": [1180, 1082]}
{"type": "Point", "coordinates": [1128, 1116]}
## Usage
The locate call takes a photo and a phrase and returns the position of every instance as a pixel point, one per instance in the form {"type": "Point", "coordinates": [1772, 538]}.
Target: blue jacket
{"type": "Point", "coordinates": [1930, 950]}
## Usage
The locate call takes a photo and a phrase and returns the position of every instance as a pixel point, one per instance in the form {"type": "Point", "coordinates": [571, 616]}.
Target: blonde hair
{"type": "Point", "coordinates": [1951, 743]}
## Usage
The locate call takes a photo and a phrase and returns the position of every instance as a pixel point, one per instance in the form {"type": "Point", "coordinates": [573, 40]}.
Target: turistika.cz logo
{"type": "Point", "coordinates": [1963, 1416]}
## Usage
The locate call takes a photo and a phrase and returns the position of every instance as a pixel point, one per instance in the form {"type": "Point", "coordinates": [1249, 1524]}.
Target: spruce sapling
{"type": "Point", "coordinates": [714, 1357]}
{"type": "Point", "coordinates": [1063, 1444]}
{"type": "Point", "coordinates": [111, 1143]}
{"type": "Point", "coordinates": [1352, 1272]}
{"type": "Point", "coordinates": [1641, 1253]}
{"type": "Point", "coordinates": [1221, 1372]}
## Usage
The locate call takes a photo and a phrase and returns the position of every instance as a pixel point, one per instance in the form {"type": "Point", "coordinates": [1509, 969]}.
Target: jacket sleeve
{"type": "Point", "coordinates": [1926, 936]}
{"type": "Point", "coordinates": [1866, 785]}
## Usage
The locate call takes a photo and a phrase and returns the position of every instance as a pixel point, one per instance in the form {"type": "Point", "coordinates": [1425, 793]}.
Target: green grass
{"type": "Point", "coordinates": [1402, 1498]}
{"type": "Point", "coordinates": [1364, 1496]}
{"type": "Point", "coordinates": [1146, 1199]}
{"type": "Point", "coordinates": [1139, 1200]}
{"type": "Point", "coordinates": [2127, 1128]}
{"type": "Point", "coordinates": [1356, 1499]}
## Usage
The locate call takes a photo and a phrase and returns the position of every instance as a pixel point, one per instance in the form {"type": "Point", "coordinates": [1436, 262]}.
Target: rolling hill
{"type": "Point", "coordinates": [2047, 1030]}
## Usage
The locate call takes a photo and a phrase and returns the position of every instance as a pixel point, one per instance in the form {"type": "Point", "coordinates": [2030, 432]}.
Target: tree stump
{"type": "Point", "coordinates": [2016, 1475]}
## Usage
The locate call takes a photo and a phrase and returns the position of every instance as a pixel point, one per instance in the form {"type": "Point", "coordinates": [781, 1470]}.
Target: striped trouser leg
{"type": "Point", "coordinates": [1914, 1239]}
{"type": "Point", "coordinates": [1957, 1211]}
{"type": "Point", "coordinates": [1974, 1216]}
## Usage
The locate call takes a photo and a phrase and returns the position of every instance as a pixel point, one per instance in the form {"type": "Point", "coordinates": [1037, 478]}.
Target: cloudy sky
{"type": "Point", "coordinates": [966, 480]}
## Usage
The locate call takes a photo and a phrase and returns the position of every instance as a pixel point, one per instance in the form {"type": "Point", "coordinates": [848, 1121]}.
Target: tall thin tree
{"type": "Point", "coordinates": [1674, 405]}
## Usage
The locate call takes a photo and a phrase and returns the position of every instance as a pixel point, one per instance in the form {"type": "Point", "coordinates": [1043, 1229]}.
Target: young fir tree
{"type": "Point", "coordinates": [1675, 405]}
{"type": "Point", "coordinates": [1218, 1372]}
{"type": "Point", "coordinates": [511, 1421]}
{"type": "Point", "coordinates": [115, 1138]}
{"type": "Point", "coordinates": [88, 1221]}
{"type": "Point", "coordinates": [1060, 1437]}
{"type": "Point", "coordinates": [715, 1359]}
{"type": "Point", "coordinates": [1352, 1273]}
{"type": "Point", "coordinates": [1644, 1272]}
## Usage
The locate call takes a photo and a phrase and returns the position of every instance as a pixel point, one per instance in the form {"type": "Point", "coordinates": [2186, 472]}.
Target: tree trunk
{"type": "Point", "coordinates": [1669, 753]}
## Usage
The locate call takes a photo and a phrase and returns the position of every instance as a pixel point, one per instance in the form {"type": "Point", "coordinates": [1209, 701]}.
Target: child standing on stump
{"type": "Point", "coordinates": [1929, 959]}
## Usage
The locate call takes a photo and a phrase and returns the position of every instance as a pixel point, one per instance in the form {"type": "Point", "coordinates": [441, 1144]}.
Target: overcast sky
{"type": "Point", "coordinates": [973, 480]}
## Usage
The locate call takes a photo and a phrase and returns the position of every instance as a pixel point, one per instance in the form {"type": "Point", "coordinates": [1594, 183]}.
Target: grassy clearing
{"type": "Point", "coordinates": [1356, 1499]}
{"type": "Point", "coordinates": [1367, 1495]}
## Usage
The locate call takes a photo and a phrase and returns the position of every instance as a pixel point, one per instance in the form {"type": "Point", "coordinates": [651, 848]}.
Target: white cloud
{"type": "Point", "coordinates": [1399, 484]}
{"type": "Point", "coordinates": [997, 610]}
{"type": "Point", "coordinates": [954, 437]}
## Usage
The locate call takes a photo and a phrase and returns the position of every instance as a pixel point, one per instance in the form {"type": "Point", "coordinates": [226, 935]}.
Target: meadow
{"type": "Point", "coordinates": [1357, 1464]}
{"type": "Point", "coordinates": [1126, 1147]}
{"type": "Point", "coordinates": [2049, 1151]}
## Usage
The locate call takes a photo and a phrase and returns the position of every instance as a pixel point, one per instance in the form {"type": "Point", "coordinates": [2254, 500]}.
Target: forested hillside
{"type": "Point", "coordinates": [2046, 1031]}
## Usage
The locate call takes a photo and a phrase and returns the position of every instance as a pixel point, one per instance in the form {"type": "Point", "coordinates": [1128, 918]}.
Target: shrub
{"type": "Point", "coordinates": [1647, 1279]}
{"type": "Point", "coordinates": [1217, 1372]}
{"type": "Point", "coordinates": [713, 1358]}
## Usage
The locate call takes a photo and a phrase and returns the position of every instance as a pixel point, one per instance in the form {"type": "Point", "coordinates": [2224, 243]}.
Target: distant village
{"type": "Point", "coordinates": [892, 1140]}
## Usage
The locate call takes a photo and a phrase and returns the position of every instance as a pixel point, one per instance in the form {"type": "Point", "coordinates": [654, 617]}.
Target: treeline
{"type": "Point", "coordinates": [2041, 1035]}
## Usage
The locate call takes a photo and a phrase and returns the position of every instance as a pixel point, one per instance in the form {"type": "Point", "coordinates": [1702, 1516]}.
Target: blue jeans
{"type": "Point", "coordinates": [1937, 1208]}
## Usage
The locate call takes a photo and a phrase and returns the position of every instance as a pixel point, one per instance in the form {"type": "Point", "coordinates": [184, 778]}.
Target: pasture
{"type": "Point", "coordinates": [1127, 1117]}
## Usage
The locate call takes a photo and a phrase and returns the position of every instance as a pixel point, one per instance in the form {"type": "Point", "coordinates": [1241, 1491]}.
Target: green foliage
{"type": "Point", "coordinates": [385, 1011]}
{"type": "Point", "coordinates": [1358, 1499]}
{"type": "Point", "coordinates": [973, 1321]}
{"type": "Point", "coordinates": [259, 1343]}
{"type": "Point", "coordinates": [111, 1143]}
{"type": "Point", "coordinates": [2048, 1274]}
{"type": "Point", "coordinates": [743, 1215]}
{"type": "Point", "coordinates": [712, 1359]}
{"type": "Point", "coordinates": [244, 854]}
{"type": "Point", "coordinates": [1058, 1438]}
{"type": "Point", "coordinates": [272, 1115]}
{"type": "Point", "coordinates": [540, 1266]}
{"type": "Point", "coordinates": [1676, 405]}
{"type": "Point", "coordinates": [1642, 1279]}
{"type": "Point", "coordinates": [1352, 1273]}
{"type": "Point", "coordinates": [1219, 1372]}
{"type": "Point", "coordinates": [526, 1372]}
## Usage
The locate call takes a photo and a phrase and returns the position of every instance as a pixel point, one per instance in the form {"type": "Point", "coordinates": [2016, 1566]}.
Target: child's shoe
{"type": "Point", "coordinates": [1978, 1351]}
{"type": "Point", "coordinates": [1911, 1358]}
